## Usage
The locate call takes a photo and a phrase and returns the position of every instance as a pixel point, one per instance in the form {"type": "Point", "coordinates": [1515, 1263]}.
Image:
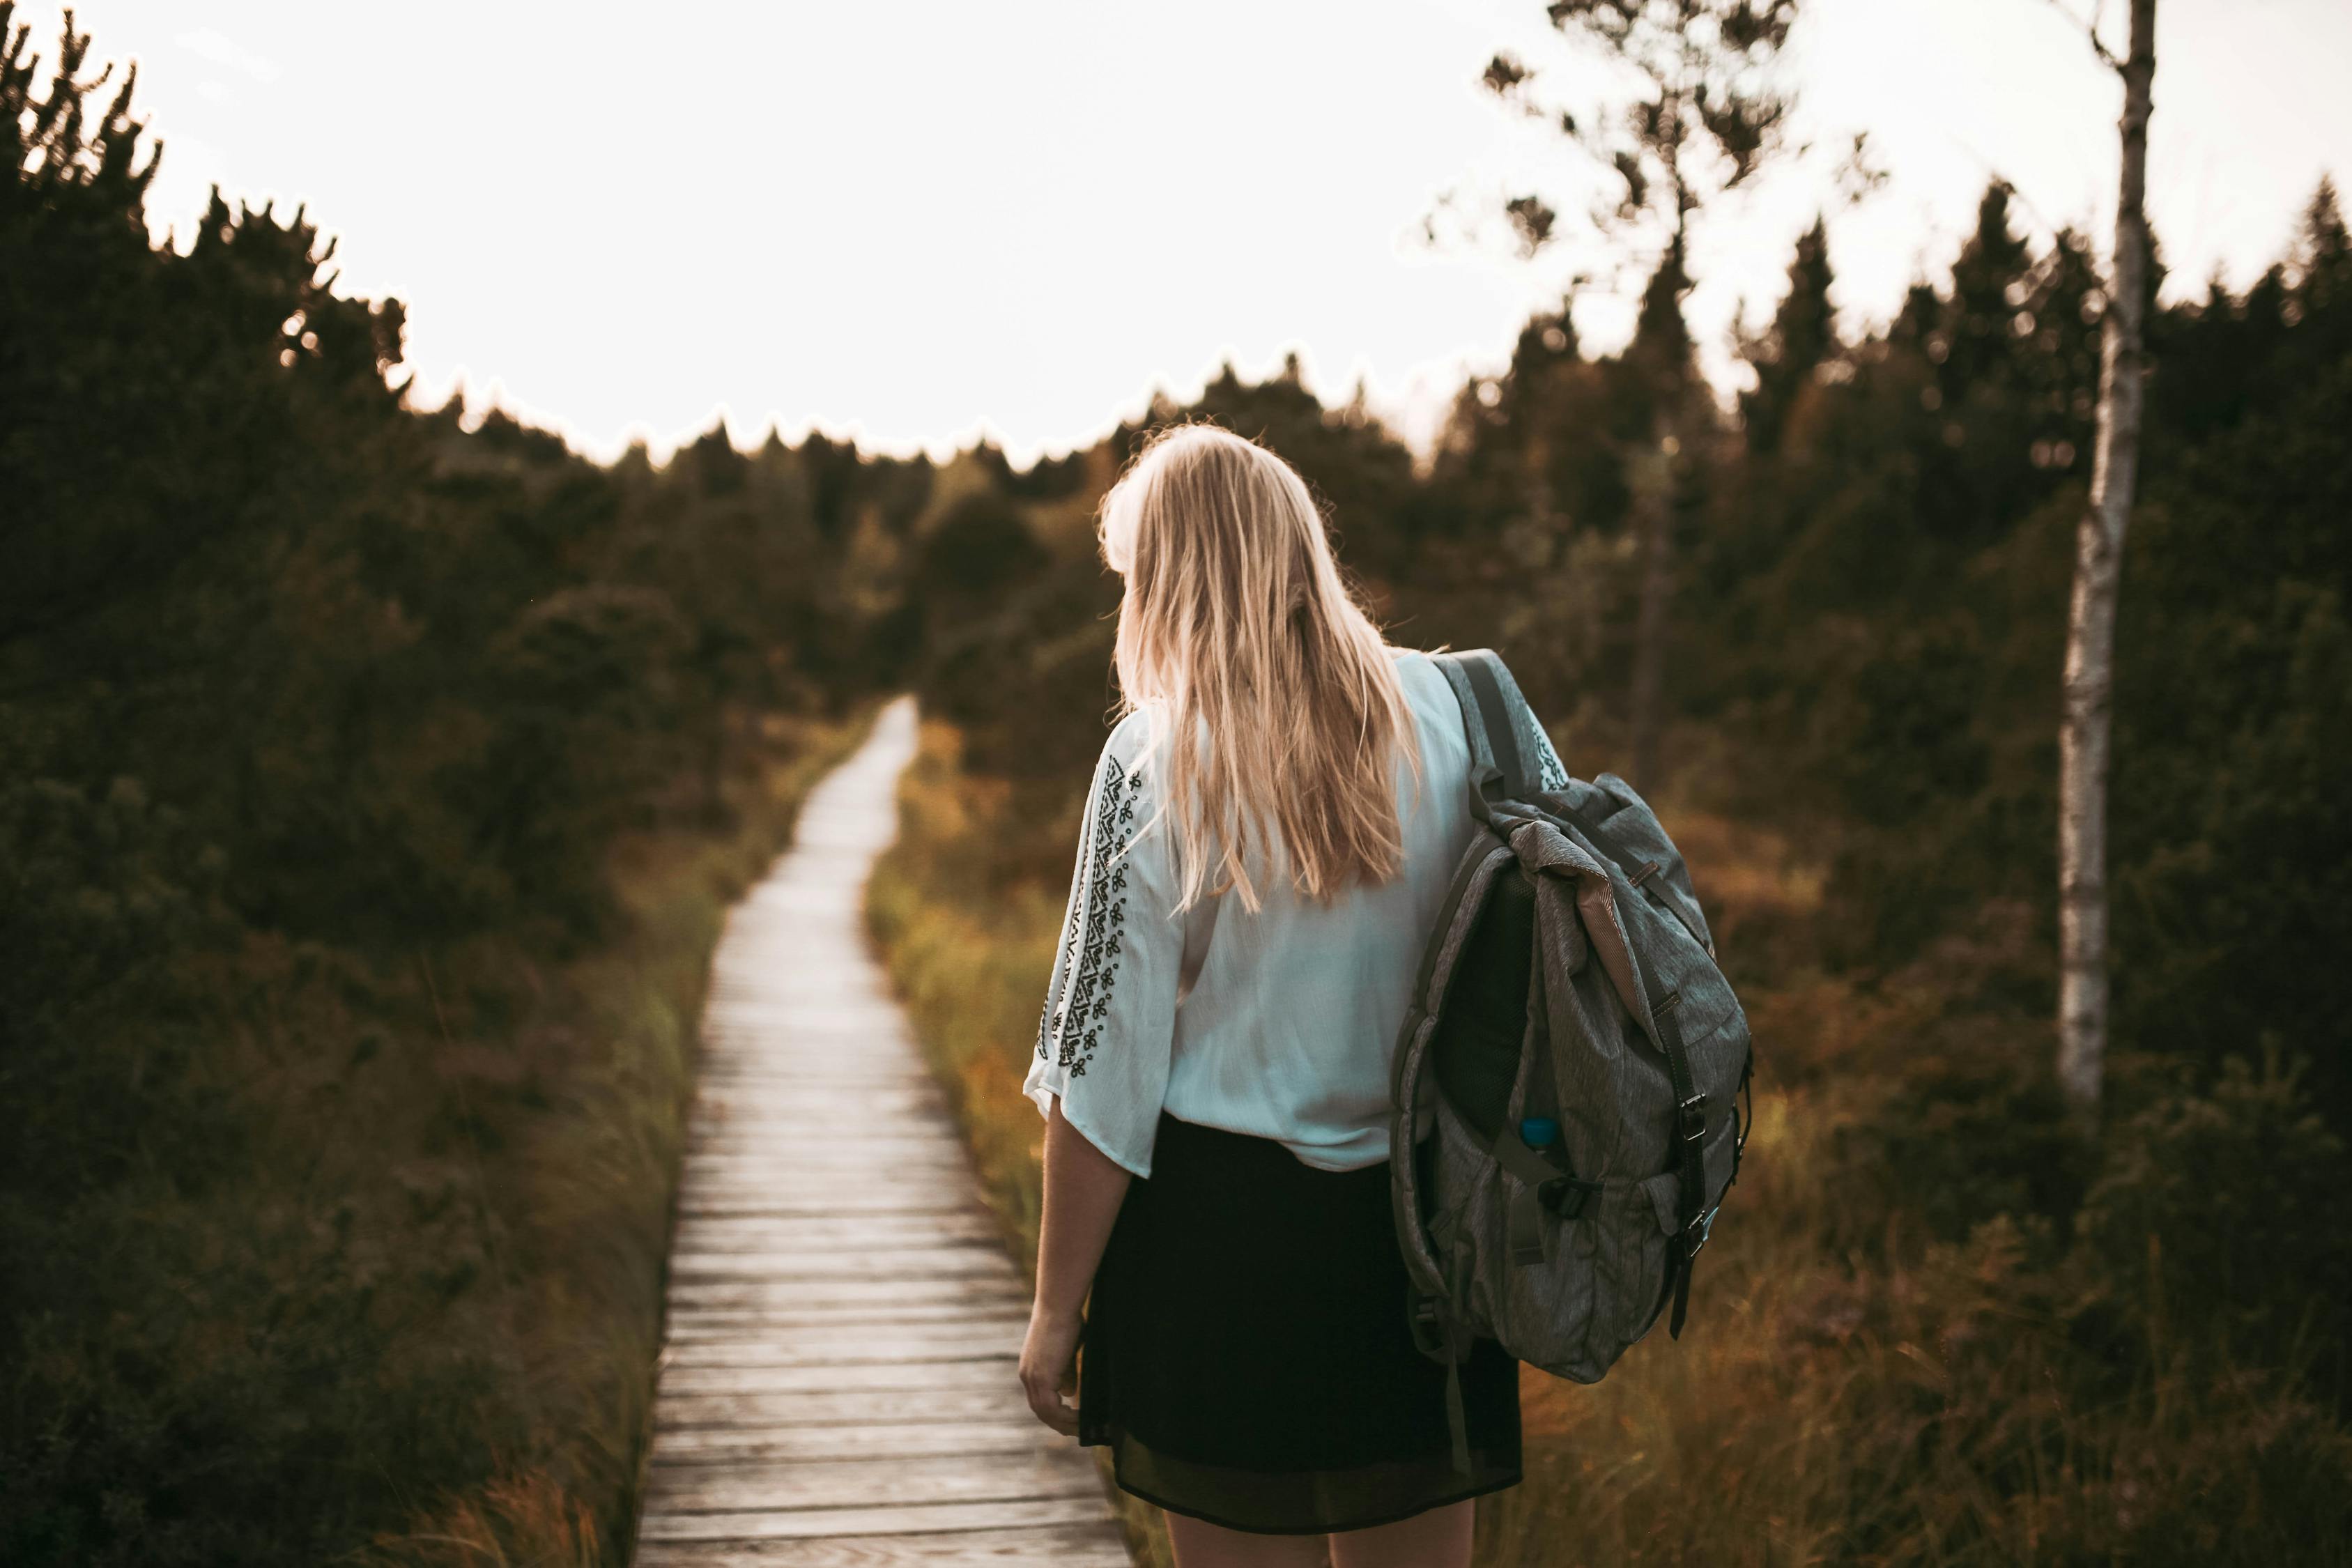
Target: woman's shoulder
{"type": "Point", "coordinates": [1126, 750]}
{"type": "Point", "coordinates": [1416, 665]}
{"type": "Point", "coordinates": [1425, 685]}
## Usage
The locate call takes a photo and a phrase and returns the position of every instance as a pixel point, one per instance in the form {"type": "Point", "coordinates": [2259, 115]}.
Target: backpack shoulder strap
{"type": "Point", "coordinates": [1498, 768]}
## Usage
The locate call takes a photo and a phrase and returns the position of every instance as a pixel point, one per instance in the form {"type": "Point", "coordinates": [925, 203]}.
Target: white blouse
{"type": "Point", "coordinates": [1279, 1023]}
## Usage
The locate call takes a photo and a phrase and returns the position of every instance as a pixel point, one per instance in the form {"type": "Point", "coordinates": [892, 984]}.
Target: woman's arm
{"type": "Point", "coordinates": [1083, 1190]}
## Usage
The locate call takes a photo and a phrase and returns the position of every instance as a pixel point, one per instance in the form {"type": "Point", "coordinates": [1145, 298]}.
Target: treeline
{"type": "Point", "coordinates": [1869, 612]}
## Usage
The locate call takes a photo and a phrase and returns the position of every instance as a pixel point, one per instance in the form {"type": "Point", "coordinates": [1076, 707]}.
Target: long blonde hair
{"type": "Point", "coordinates": [1278, 714]}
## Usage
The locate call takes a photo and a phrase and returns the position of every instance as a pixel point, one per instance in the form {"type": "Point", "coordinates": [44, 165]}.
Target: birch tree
{"type": "Point", "coordinates": [2083, 732]}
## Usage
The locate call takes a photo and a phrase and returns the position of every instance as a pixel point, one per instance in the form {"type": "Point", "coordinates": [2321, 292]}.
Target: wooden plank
{"type": "Point", "coordinates": [1095, 1547]}
{"type": "Point", "coordinates": [795, 1093]}
{"type": "Point", "coordinates": [888, 1231]}
{"type": "Point", "coordinates": [792, 1159]}
{"type": "Point", "coordinates": [691, 1322]}
{"type": "Point", "coordinates": [792, 1113]}
{"type": "Point", "coordinates": [1066, 1546]}
{"type": "Point", "coordinates": [901, 1518]}
{"type": "Point", "coordinates": [755, 1233]}
{"type": "Point", "coordinates": [817, 1081]}
{"type": "Point", "coordinates": [835, 1407]}
{"type": "Point", "coordinates": [850, 1344]}
{"type": "Point", "coordinates": [789, 1294]}
{"type": "Point", "coordinates": [811, 1191]}
{"type": "Point", "coordinates": [719, 1198]}
{"type": "Point", "coordinates": [879, 1440]}
{"type": "Point", "coordinates": [829, 1136]}
{"type": "Point", "coordinates": [846, 1017]}
{"type": "Point", "coordinates": [897, 1160]}
{"type": "Point", "coordinates": [959, 1373]}
{"type": "Point", "coordinates": [759, 1485]}
{"type": "Point", "coordinates": [958, 1262]}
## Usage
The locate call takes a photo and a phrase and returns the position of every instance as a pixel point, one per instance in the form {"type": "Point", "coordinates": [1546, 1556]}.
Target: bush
{"type": "Point", "coordinates": [2215, 1225]}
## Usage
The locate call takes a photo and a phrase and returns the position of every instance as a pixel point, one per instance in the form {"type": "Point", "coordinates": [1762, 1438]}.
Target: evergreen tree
{"type": "Point", "coordinates": [1803, 334]}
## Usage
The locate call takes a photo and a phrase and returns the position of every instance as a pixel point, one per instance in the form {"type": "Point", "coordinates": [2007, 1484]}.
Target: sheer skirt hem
{"type": "Point", "coordinates": [1302, 1502]}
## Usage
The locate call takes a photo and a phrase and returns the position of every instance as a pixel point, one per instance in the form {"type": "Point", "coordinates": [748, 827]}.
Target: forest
{"type": "Point", "coordinates": [374, 778]}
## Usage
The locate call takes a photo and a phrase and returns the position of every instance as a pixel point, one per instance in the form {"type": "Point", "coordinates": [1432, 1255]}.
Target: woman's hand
{"type": "Point", "coordinates": [1083, 1190]}
{"type": "Point", "coordinates": [1049, 1364]}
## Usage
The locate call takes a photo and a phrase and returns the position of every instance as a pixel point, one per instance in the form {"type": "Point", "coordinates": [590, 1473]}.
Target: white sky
{"type": "Point", "coordinates": [913, 222]}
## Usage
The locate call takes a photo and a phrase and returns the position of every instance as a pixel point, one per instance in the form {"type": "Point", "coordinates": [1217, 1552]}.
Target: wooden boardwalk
{"type": "Point", "coordinates": [837, 1386]}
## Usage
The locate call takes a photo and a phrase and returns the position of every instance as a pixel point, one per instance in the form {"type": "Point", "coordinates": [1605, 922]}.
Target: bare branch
{"type": "Point", "coordinates": [2091, 31]}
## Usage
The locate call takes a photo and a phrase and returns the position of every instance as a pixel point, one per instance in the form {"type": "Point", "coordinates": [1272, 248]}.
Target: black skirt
{"type": "Point", "coordinates": [1246, 1355]}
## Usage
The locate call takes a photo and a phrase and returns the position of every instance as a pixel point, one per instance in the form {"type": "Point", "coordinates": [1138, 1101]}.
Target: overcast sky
{"type": "Point", "coordinates": [913, 222]}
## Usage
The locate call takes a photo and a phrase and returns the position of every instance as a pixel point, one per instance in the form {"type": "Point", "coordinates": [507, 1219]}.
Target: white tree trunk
{"type": "Point", "coordinates": [1654, 499]}
{"type": "Point", "coordinates": [2082, 736]}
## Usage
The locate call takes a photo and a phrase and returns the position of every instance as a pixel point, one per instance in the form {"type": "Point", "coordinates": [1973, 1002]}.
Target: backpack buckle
{"type": "Point", "coordinates": [1566, 1197]}
{"type": "Point", "coordinates": [1695, 1234]}
{"type": "Point", "coordinates": [1424, 1316]}
{"type": "Point", "coordinates": [1692, 1113]}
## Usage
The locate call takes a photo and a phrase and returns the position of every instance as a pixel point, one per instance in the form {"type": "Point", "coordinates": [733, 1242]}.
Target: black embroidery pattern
{"type": "Point", "coordinates": [1097, 917]}
{"type": "Point", "coordinates": [1554, 777]}
{"type": "Point", "coordinates": [1048, 1017]}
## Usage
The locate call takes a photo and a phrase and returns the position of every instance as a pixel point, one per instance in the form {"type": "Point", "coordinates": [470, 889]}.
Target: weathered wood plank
{"type": "Point", "coordinates": [902, 1518]}
{"type": "Point", "coordinates": [1065, 1545]}
{"type": "Point", "coordinates": [847, 1345]}
{"type": "Point", "coordinates": [721, 1199]}
{"type": "Point", "coordinates": [834, 1407]}
{"type": "Point", "coordinates": [849, 1168]}
{"type": "Point", "coordinates": [890, 1440]}
{"type": "Point", "coordinates": [991, 1372]}
{"type": "Point", "coordinates": [829, 1231]}
{"type": "Point", "coordinates": [750, 1325]}
{"type": "Point", "coordinates": [775, 1116]}
{"type": "Point", "coordinates": [871, 1483]}
{"type": "Point", "coordinates": [977, 1294]}
{"type": "Point", "coordinates": [965, 1262]}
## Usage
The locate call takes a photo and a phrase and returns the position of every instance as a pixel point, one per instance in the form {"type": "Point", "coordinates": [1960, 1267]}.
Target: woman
{"type": "Point", "coordinates": [1269, 833]}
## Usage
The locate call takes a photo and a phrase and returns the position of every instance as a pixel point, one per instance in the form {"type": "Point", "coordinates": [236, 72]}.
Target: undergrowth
{"type": "Point", "coordinates": [378, 1276]}
{"type": "Point", "coordinates": [587, 1209]}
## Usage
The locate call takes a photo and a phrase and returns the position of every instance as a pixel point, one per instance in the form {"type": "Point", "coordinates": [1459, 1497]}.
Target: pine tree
{"type": "Point", "coordinates": [1802, 335]}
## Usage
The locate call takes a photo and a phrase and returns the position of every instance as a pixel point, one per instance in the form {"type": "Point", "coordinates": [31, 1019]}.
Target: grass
{"type": "Point", "coordinates": [579, 1176]}
{"type": "Point", "coordinates": [1897, 1354]}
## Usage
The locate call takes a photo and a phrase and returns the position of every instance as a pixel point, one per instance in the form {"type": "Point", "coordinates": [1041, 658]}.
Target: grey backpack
{"type": "Point", "coordinates": [1565, 1118]}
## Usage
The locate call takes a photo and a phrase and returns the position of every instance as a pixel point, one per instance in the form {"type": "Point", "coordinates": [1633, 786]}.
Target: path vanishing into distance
{"type": "Point", "coordinates": [837, 1382]}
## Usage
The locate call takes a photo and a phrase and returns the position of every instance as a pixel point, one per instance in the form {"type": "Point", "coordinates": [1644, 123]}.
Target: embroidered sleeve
{"type": "Point", "coordinates": [1109, 1020]}
{"type": "Point", "coordinates": [1551, 775]}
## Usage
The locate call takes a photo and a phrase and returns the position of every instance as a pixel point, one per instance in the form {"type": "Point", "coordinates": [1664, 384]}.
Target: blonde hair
{"type": "Point", "coordinates": [1280, 697]}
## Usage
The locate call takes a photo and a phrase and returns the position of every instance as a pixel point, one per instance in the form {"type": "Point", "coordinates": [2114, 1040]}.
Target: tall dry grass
{"type": "Point", "coordinates": [1893, 1357]}
{"type": "Point", "coordinates": [583, 1184]}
